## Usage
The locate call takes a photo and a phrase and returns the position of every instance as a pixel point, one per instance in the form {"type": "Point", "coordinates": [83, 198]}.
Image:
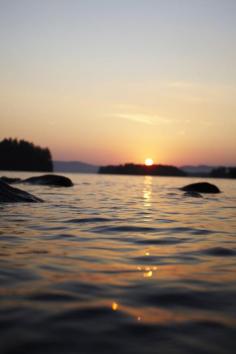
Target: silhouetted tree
{"type": "Point", "coordinates": [20, 155]}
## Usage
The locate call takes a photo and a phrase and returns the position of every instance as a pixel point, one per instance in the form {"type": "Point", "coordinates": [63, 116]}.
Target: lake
{"type": "Point", "coordinates": [119, 264]}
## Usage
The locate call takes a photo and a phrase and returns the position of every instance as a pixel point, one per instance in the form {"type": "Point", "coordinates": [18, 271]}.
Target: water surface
{"type": "Point", "coordinates": [119, 264]}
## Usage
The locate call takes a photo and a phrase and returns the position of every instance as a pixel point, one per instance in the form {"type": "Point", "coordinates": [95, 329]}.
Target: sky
{"type": "Point", "coordinates": [114, 81]}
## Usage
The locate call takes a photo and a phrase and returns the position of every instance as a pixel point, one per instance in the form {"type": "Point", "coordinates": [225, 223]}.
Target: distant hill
{"type": "Point", "coordinates": [74, 166]}
{"type": "Point", "coordinates": [223, 172]}
{"type": "Point", "coordinates": [210, 171]}
{"type": "Point", "coordinates": [199, 170]}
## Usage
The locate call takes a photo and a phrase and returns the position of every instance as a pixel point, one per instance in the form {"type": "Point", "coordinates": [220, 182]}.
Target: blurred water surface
{"type": "Point", "coordinates": [119, 264]}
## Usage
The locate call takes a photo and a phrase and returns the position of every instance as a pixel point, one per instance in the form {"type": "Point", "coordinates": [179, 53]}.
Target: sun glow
{"type": "Point", "coordinates": [148, 162]}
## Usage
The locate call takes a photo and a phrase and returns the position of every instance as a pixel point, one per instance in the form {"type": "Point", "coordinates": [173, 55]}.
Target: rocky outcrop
{"type": "Point", "coordinates": [201, 187]}
{"type": "Point", "coordinates": [10, 180]}
{"type": "Point", "coordinates": [50, 180]}
{"type": "Point", "coordinates": [9, 194]}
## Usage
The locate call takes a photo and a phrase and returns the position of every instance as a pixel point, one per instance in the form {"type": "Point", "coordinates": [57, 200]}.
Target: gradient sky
{"type": "Point", "coordinates": [113, 81]}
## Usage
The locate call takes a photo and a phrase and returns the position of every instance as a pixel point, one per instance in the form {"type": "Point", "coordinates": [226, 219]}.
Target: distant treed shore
{"type": "Point", "coordinates": [21, 155]}
{"type": "Point", "coordinates": [136, 169]}
{"type": "Point", "coordinates": [164, 170]}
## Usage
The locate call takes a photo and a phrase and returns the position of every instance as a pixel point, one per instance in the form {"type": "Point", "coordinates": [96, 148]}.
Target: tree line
{"type": "Point", "coordinates": [137, 169]}
{"type": "Point", "coordinates": [21, 155]}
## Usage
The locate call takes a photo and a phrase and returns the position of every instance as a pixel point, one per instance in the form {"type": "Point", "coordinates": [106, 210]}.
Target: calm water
{"type": "Point", "coordinates": [119, 264]}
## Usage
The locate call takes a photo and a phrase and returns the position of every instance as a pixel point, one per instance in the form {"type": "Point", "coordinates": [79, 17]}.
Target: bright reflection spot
{"type": "Point", "coordinates": [114, 306]}
{"type": "Point", "coordinates": [148, 271]}
{"type": "Point", "coordinates": [147, 191]}
{"type": "Point", "coordinates": [149, 162]}
{"type": "Point", "coordinates": [139, 318]}
{"type": "Point", "coordinates": [147, 254]}
{"type": "Point", "coordinates": [148, 274]}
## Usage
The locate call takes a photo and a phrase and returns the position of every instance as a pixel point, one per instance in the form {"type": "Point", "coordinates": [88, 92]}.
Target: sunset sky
{"type": "Point", "coordinates": [113, 81]}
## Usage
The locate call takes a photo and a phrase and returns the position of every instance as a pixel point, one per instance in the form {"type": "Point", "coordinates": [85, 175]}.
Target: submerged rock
{"type": "Point", "coordinates": [192, 194]}
{"type": "Point", "coordinates": [50, 180]}
{"type": "Point", "coordinates": [10, 180]}
{"type": "Point", "coordinates": [201, 187]}
{"type": "Point", "coordinates": [9, 194]}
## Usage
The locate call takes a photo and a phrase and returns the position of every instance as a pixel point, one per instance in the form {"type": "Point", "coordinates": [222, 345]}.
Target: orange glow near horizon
{"type": "Point", "coordinates": [128, 107]}
{"type": "Point", "coordinates": [148, 162]}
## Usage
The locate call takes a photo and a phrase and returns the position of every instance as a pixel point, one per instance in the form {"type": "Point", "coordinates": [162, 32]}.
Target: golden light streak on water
{"type": "Point", "coordinates": [148, 274]}
{"type": "Point", "coordinates": [114, 306]}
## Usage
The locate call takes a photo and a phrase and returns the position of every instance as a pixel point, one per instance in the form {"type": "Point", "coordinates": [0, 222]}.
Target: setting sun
{"type": "Point", "coordinates": [148, 162]}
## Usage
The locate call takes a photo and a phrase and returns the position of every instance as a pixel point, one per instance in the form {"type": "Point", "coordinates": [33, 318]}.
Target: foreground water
{"type": "Point", "coordinates": [119, 264]}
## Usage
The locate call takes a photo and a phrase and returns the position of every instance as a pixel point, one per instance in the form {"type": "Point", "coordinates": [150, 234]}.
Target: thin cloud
{"type": "Point", "coordinates": [147, 119]}
{"type": "Point", "coordinates": [140, 118]}
{"type": "Point", "coordinates": [181, 84]}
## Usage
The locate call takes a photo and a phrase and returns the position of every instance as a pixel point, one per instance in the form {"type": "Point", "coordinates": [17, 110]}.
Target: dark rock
{"type": "Point", "coordinates": [10, 180]}
{"type": "Point", "coordinates": [9, 194]}
{"type": "Point", "coordinates": [201, 187]}
{"type": "Point", "coordinates": [192, 194]}
{"type": "Point", "coordinates": [50, 180]}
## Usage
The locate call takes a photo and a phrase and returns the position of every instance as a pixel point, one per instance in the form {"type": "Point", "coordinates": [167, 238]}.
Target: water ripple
{"type": "Point", "coordinates": [119, 264]}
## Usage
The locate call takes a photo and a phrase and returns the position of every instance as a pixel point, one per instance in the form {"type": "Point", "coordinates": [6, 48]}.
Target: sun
{"type": "Point", "coordinates": [148, 162]}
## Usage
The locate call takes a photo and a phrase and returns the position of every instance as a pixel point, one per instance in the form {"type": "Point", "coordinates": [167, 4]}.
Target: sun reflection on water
{"type": "Point", "coordinates": [114, 306]}
{"type": "Point", "coordinates": [119, 250]}
{"type": "Point", "coordinates": [147, 192]}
